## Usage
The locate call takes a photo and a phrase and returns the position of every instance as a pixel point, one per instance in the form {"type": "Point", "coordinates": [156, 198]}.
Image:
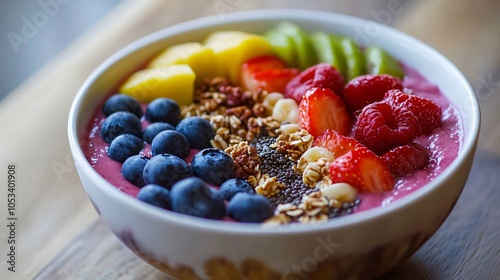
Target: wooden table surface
{"type": "Point", "coordinates": [59, 234]}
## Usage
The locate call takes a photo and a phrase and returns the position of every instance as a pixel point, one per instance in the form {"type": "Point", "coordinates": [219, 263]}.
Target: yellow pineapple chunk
{"type": "Point", "coordinates": [200, 58]}
{"type": "Point", "coordinates": [173, 81]}
{"type": "Point", "coordinates": [233, 48]}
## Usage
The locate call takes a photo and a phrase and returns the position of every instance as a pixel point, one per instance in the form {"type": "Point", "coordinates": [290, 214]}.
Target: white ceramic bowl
{"type": "Point", "coordinates": [363, 245]}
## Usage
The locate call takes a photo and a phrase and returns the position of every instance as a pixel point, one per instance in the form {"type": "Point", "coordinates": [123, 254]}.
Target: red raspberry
{"type": "Point", "coordinates": [381, 127]}
{"type": "Point", "coordinates": [367, 89]}
{"type": "Point", "coordinates": [405, 160]}
{"type": "Point", "coordinates": [321, 75]}
{"type": "Point", "coordinates": [362, 169]}
{"type": "Point", "coordinates": [427, 111]}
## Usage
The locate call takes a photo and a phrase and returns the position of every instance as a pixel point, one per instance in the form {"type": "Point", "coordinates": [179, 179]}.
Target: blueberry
{"type": "Point", "coordinates": [213, 165]}
{"type": "Point", "coordinates": [170, 142]}
{"type": "Point", "coordinates": [163, 110]}
{"type": "Point", "coordinates": [120, 123]}
{"type": "Point", "coordinates": [125, 146]}
{"type": "Point", "coordinates": [198, 132]}
{"type": "Point", "coordinates": [153, 129]}
{"type": "Point", "coordinates": [122, 103]}
{"type": "Point", "coordinates": [165, 170]}
{"type": "Point", "coordinates": [249, 208]}
{"type": "Point", "coordinates": [132, 169]}
{"type": "Point", "coordinates": [155, 195]}
{"type": "Point", "coordinates": [194, 197]}
{"type": "Point", "coordinates": [233, 186]}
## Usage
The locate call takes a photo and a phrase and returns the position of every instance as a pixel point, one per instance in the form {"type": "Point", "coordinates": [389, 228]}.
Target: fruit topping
{"type": "Point", "coordinates": [163, 110]}
{"type": "Point", "coordinates": [233, 186]}
{"type": "Point", "coordinates": [274, 80]}
{"type": "Point", "coordinates": [340, 191]}
{"type": "Point", "coordinates": [382, 126]}
{"type": "Point", "coordinates": [173, 81]}
{"type": "Point", "coordinates": [192, 196]}
{"type": "Point", "coordinates": [363, 170]}
{"type": "Point", "coordinates": [249, 208]}
{"type": "Point", "coordinates": [321, 75]}
{"type": "Point", "coordinates": [379, 61]}
{"type": "Point", "coordinates": [336, 143]}
{"type": "Point", "coordinates": [153, 129]}
{"type": "Point", "coordinates": [427, 111]}
{"type": "Point", "coordinates": [197, 131]}
{"type": "Point", "coordinates": [283, 46]}
{"type": "Point", "coordinates": [321, 109]}
{"type": "Point", "coordinates": [233, 48]}
{"type": "Point", "coordinates": [267, 73]}
{"type": "Point", "coordinates": [303, 47]}
{"type": "Point", "coordinates": [165, 170]}
{"type": "Point", "coordinates": [407, 159]}
{"type": "Point", "coordinates": [120, 123]}
{"type": "Point", "coordinates": [367, 89]}
{"type": "Point", "coordinates": [170, 142]}
{"type": "Point", "coordinates": [286, 111]}
{"type": "Point", "coordinates": [259, 64]}
{"type": "Point", "coordinates": [355, 60]}
{"type": "Point", "coordinates": [213, 165]}
{"type": "Point", "coordinates": [133, 168]}
{"type": "Point", "coordinates": [125, 146]}
{"type": "Point", "coordinates": [328, 50]}
{"type": "Point", "coordinates": [155, 195]}
{"type": "Point", "coordinates": [121, 103]}
{"type": "Point", "coordinates": [200, 58]}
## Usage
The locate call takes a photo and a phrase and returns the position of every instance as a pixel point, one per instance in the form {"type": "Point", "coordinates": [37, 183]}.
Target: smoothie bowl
{"type": "Point", "coordinates": [274, 145]}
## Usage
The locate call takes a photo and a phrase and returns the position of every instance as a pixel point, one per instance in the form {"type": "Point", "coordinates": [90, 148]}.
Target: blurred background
{"type": "Point", "coordinates": [51, 24]}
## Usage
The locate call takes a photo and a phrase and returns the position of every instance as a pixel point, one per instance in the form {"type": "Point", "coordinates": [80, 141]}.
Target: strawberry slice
{"type": "Point", "coordinates": [362, 169]}
{"type": "Point", "coordinates": [367, 89]}
{"type": "Point", "coordinates": [254, 65]}
{"type": "Point", "coordinates": [273, 80]}
{"type": "Point", "coordinates": [427, 111]}
{"type": "Point", "coordinates": [405, 160]}
{"type": "Point", "coordinates": [338, 144]}
{"type": "Point", "coordinates": [321, 109]}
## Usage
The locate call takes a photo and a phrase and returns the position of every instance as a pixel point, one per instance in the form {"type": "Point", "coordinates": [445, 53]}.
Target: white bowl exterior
{"type": "Point", "coordinates": [180, 240]}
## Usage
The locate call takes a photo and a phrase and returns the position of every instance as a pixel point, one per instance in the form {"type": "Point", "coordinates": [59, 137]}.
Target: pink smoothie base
{"type": "Point", "coordinates": [444, 143]}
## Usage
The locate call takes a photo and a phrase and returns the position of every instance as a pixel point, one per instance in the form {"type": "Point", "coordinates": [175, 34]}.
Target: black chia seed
{"type": "Point", "coordinates": [345, 209]}
{"type": "Point", "coordinates": [278, 165]}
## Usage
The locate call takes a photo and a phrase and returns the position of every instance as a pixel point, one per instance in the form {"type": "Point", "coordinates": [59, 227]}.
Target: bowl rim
{"type": "Point", "coordinates": [468, 148]}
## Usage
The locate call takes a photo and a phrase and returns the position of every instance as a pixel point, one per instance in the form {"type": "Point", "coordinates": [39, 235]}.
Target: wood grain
{"type": "Point", "coordinates": [60, 235]}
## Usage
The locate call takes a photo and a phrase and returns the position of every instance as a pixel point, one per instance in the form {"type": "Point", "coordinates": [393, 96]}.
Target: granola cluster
{"type": "Point", "coordinates": [317, 174]}
{"type": "Point", "coordinates": [314, 207]}
{"type": "Point", "coordinates": [236, 115]}
{"type": "Point", "coordinates": [294, 145]}
{"type": "Point", "coordinates": [246, 159]}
